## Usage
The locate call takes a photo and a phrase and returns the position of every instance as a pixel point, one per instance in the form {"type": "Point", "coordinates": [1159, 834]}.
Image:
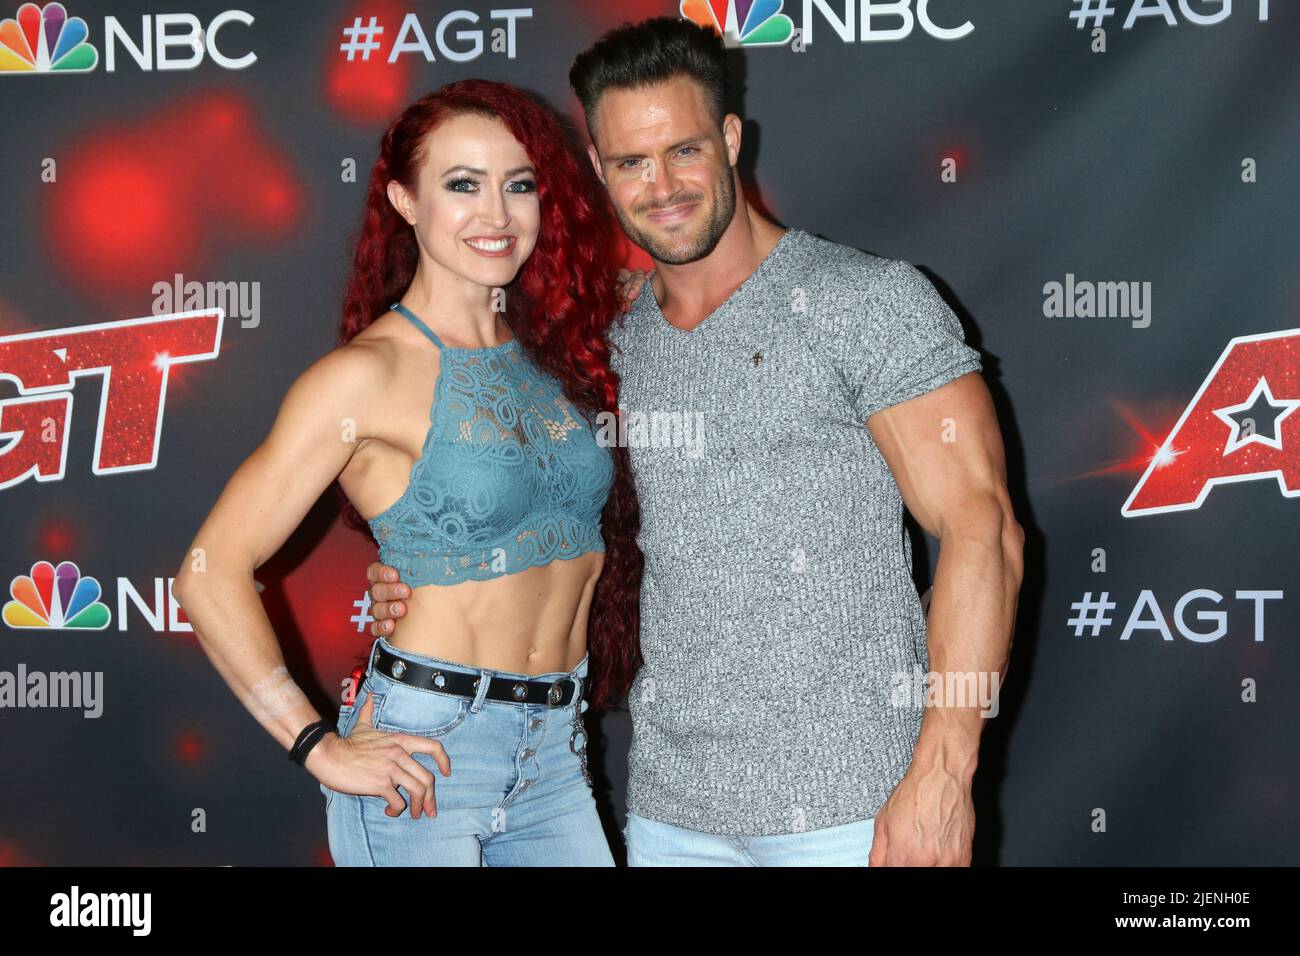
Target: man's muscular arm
{"type": "Point", "coordinates": [945, 451]}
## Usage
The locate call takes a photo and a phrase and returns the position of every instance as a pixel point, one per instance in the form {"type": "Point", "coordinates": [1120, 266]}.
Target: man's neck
{"type": "Point", "coordinates": [688, 294]}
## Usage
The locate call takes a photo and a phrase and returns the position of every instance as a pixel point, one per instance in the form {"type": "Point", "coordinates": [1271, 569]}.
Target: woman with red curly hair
{"type": "Point", "coordinates": [464, 415]}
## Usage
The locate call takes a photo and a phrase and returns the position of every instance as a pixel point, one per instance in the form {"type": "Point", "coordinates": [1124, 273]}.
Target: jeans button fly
{"type": "Point", "coordinates": [535, 723]}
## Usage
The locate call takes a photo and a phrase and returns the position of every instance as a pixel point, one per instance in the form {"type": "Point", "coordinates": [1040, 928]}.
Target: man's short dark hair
{"type": "Point", "coordinates": [652, 51]}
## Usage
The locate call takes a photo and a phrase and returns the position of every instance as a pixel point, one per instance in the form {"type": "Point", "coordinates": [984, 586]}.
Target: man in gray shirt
{"type": "Point", "coordinates": [809, 390]}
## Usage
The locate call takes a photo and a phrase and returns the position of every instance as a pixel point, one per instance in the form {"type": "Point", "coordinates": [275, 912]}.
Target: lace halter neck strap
{"type": "Point", "coordinates": [419, 324]}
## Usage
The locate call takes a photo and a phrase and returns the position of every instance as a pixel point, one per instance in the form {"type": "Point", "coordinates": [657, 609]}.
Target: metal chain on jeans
{"type": "Point", "coordinates": [580, 728]}
{"type": "Point", "coordinates": [582, 753]}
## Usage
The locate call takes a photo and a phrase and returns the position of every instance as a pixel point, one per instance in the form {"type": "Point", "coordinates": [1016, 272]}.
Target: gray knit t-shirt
{"type": "Point", "coordinates": [778, 610]}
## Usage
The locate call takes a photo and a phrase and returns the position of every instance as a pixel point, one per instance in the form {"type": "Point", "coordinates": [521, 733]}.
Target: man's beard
{"type": "Point", "coordinates": [724, 207]}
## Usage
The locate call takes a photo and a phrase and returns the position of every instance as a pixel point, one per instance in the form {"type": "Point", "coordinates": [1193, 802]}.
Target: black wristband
{"type": "Point", "coordinates": [309, 737]}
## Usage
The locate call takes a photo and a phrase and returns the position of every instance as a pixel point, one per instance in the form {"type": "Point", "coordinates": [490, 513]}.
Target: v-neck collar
{"type": "Point", "coordinates": [710, 320]}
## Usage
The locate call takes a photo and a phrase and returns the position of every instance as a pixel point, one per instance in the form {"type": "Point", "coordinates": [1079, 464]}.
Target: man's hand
{"type": "Point", "coordinates": [630, 282]}
{"type": "Point", "coordinates": [929, 820]}
{"type": "Point", "coordinates": [386, 590]}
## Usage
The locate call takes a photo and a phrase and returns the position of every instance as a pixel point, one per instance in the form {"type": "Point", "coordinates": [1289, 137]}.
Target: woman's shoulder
{"type": "Point", "coordinates": [356, 370]}
{"type": "Point", "coordinates": [362, 361]}
{"type": "Point", "coordinates": [388, 339]}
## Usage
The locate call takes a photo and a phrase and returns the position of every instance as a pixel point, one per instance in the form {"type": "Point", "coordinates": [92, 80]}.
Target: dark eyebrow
{"type": "Point", "coordinates": [677, 145]}
{"type": "Point", "coordinates": [483, 172]}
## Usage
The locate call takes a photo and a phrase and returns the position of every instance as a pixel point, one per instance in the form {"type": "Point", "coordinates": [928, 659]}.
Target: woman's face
{"type": "Point", "coordinates": [476, 213]}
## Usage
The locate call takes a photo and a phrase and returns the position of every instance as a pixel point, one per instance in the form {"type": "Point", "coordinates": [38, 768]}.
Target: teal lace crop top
{"type": "Point", "coordinates": [510, 475]}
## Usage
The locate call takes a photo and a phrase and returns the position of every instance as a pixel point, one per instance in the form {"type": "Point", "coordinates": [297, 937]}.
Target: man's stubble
{"type": "Point", "coordinates": [723, 209]}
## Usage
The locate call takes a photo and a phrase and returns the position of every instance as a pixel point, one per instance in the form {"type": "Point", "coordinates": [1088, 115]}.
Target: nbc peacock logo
{"type": "Point", "coordinates": [742, 22]}
{"type": "Point", "coordinates": [58, 598]}
{"type": "Point", "coordinates": [45, 40]}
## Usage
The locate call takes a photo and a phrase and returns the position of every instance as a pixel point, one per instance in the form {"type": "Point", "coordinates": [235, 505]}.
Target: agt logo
{"type": "Point", "coordinates": [1240, 426]}
{"type": "Point", "coordinates": [757, 23]}
{"type": "Point", "coordinates": [49, 598]}
{"type": "Point", "coordinates": [134, 356]}
{"type": "Point", "coordinates": [44, 39]}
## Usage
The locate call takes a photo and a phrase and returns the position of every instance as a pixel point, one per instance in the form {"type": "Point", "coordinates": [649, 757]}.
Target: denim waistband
{"type": "Point", "coordinates": [576, 674]}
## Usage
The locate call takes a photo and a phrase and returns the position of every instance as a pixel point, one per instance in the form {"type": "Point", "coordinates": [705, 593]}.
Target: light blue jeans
{"type": "Point", "coordinates": [517, 794]}
{"type": "Point", "coordinates": [653, 843]}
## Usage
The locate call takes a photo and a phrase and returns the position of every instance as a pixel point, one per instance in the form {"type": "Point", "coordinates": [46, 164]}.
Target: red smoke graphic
{"type": "Point", "coordinates": [133, 204]}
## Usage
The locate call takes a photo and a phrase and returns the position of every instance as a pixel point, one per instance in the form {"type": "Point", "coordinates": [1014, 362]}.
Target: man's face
{"type": "Point", "coordinates": [668, 167]}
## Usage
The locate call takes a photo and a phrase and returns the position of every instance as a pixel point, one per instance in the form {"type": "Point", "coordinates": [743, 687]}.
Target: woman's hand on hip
{"type": "Point", "coordinates": [375, 762]}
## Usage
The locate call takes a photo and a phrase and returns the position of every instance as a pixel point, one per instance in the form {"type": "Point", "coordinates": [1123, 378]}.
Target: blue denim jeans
{"type": "Point", "coordinates": [517, 794]}
{"type": "Point", "coordinates": [653, 843]}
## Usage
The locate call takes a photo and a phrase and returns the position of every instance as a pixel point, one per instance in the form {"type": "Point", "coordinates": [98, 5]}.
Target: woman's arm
{"type": "Point", "coordinates": [317, 429]}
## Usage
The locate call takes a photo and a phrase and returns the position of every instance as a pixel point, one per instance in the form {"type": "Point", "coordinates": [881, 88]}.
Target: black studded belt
{"type": "Point", "coordinates": [553, 693]}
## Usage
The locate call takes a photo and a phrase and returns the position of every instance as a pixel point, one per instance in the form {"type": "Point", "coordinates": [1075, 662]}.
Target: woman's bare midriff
{"type": "Point", "coordinates": [531, 622]}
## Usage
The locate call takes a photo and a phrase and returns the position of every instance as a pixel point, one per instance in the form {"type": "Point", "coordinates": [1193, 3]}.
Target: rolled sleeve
{"type": "Point", "coordinates": [911, 342]}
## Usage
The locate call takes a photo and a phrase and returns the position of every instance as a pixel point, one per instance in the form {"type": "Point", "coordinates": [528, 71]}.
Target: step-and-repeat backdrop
{"type": "Point", "coordinates": [1105, 191]}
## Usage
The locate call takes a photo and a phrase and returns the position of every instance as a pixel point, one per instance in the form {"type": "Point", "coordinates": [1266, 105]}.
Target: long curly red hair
{"type": "Point", "coordinates": [559, 307]}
